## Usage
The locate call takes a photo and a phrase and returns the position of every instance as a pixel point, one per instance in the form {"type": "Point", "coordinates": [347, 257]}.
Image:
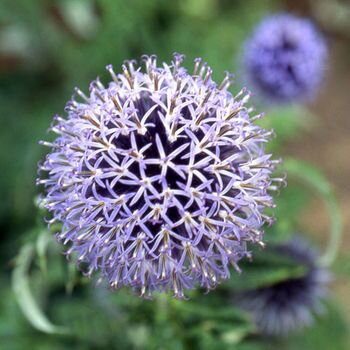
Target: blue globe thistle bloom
{"type": "Point", "coordinates": [284, 60]}
{"type": "Point", "coordinates": [160, 178]}
{"type": "Point", "coordinates": [291, 304]}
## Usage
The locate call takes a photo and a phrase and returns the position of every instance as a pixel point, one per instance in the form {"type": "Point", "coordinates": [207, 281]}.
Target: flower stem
{"type": "Point", "coordinates": [318, 183]}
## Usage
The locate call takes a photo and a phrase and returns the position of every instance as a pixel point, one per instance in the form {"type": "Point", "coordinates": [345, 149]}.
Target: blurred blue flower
{"type": "Point", "coordinates": [284, 59]}
{"type": "Point", "coordinates": [159, 179]}
{"type": "Point", "coordinates": [291, 304]}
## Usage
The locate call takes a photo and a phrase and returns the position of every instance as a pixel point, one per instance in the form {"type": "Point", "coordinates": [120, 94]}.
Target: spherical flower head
{"type": "Point", "coordinates": [160, 179]}
{"type": "Point", "coordinates": [284, 59]}
{"type": "Point", "coordinates": [291, 304]}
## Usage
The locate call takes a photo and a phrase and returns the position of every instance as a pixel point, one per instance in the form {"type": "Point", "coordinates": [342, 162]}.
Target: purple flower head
{"type": "Point", "coordinates": [290, 305]}
{"type": "Point", "coordinates": [160, 178]}
{"type": "Point", "coordinates": [284, 59]}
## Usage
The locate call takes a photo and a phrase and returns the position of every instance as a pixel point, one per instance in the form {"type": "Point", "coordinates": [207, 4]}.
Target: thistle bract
{"type": "Point", "coordinates": [284, 59]}
{"type": "Point", "coordinates": [159, 179]}
{"type": "Point", "coordinates": [291, 304]}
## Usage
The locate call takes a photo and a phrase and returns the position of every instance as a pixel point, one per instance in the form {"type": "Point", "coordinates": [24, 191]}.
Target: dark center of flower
{"type": "Point", "coordinates": [176, 176]}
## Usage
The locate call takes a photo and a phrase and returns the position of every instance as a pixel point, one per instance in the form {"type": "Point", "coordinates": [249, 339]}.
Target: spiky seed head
{"type": "Point", "coordinates": [160, 178]}
{"type": "Point", "coordinates": [291, 304]}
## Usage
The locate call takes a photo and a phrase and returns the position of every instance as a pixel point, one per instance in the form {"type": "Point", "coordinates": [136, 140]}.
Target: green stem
{"type": "Point", "coordinates": [317, 182]}
{"type": "Point", "coordinates": [161, 318]}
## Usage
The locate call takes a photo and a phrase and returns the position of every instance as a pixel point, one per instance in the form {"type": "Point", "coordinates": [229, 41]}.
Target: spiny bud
{"type": "Point", "coordinates": [284, 59]}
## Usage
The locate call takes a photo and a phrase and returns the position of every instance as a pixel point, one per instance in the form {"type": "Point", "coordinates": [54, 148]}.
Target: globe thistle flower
{"type": "Point", "coordinates": [291, 304]}
{"type": "Point", "coordinates": [159, 179]}
{"type": "Point", "coordinates": [284, 59]}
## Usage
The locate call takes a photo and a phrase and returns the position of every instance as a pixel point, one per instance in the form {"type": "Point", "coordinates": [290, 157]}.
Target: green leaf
{"type": "Point", "coordinates": [235, 335]}
{"type": "Point", "coordinates": [269, 267]}
{"type": "Point", "coordinates": [42, 244]}
{"type": "Point", "coordinates": [25, 299]}
{"type": "Point", "coordinates": [309, 174]}
{"type": "Point", "coordinates": [290, 204]}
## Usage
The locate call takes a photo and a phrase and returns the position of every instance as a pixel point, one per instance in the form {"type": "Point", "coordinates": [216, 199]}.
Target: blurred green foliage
{"type": "Point", "coordinates": [46, 48]}
{"type": "Point", "coordinates": [97, 318]}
